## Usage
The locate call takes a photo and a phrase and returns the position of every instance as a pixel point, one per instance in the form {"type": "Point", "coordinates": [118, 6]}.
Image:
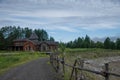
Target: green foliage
{"type": "Point", "coordinates": [52, 39]}
{"type": "Point", "coordinates": [81, 43]}
{"type": "Point", "coordinates": [107, 43]}
{"type": "Point", "coordinates": [99, 44]}
{"type": "Point", "coordinates": [118, 43]}
{"type": "Point", "coordinates": [112, 45]}
{"type": "Point", "coordinates": [42, 34]}
{"type": "Point", "coordinates": [62, 47]}
{"type": "Point", "coordinates": [27, 32]}
{"type": "Point", "coordinates": [88, 43]}
{"type": "Point", "coordinates": [1, 40]}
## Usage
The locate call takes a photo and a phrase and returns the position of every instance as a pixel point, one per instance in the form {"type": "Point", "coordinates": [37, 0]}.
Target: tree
{"type": "Point", "coordinates": [42, 34]}
{"type": "Point", "coordinates": [107, 43]}
{"type": "Point", "coordinates": [112, 45]}
{"type": "Point", "coordinates": [118, 43]}
{"type": "Point", "coordinates": [99, 44]}
{"type": "Point", "coordinates": [27, 32]}
{"type": "Point", "coordinates": [2, 42]}
{"type": "Point", "coordinates": [69, 44]}
{"type": "Point", "coordinates": [74, 44]}
{"type": "Point", "coordinates": [52, 39]}
{"type": "Point", "coordinates": [79, 42]}
{"type": "Point", "coordinates": [87, 42]}
{"type": "Point", "coordinates": [62, 47]}
{"type": "Point", "coordinates": [92, 44]}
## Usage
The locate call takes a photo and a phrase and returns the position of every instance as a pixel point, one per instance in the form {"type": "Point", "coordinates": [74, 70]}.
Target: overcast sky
{"type": "Point", "coordinates": [65, 20]}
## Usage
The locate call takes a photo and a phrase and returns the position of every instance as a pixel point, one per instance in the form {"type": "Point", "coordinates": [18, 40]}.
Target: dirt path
{"type": "Point", "coordinates": [35, 70]}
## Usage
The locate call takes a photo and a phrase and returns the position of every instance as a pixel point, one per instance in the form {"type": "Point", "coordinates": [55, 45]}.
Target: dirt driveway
{"type": "Point", "coordinates": [35, 70]}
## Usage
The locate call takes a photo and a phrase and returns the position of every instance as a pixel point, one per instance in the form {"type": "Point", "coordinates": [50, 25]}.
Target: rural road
{"type": "Point", "coordinates": [39, 69]}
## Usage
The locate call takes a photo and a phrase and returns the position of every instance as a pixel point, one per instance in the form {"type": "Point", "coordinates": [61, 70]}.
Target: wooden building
{"type": "Point", "coordinates": [32, 44]}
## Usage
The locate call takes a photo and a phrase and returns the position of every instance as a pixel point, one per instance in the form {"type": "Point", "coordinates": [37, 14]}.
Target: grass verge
{"type": "Point", "coordinates": [9, 60]}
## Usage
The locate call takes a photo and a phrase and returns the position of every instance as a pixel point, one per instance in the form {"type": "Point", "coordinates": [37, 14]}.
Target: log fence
{"type": "Point", "coordinates": [78, 65]}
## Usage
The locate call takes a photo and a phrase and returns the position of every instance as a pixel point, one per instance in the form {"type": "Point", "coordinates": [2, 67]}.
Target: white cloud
{"type": "Point", "coordinates": [70, 29]}
{"type": "Point", "coordinates": [67, 15]}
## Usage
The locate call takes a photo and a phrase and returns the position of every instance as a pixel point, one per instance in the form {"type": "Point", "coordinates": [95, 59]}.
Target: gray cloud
{"type": "Point", "coordinates": [112, 38]}
{"type": "Point", "coordinates": [70, 15]}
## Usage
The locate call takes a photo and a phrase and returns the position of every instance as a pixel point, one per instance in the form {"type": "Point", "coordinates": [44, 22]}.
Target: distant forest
{"type": "Point", "coordinates": [10, 33]}
{"type": "Point", "coordinates": [86, 42]}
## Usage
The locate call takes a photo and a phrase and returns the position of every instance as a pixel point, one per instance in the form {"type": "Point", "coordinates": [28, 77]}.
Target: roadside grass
{"type": "Point", "coordinates": [86, 53]}
{"type": "Point", "coordinates": [11, 59]}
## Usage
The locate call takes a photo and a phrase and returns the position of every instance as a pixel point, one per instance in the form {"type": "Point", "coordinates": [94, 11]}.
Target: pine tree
{"type": "Point", "coordinates": [118, 43]}
{"type": "Point", "coordinates": [107, 42]}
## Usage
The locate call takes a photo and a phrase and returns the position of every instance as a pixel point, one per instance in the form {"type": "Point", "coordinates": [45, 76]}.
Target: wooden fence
{"type": "Point", "coordinates": [78, 65]}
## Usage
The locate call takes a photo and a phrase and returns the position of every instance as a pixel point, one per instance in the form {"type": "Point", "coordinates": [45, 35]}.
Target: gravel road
{"type": "Point", "coordinates": [39, 69]}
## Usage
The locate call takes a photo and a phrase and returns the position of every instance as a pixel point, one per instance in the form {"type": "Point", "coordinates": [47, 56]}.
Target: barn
{"type": "Point", "coordinates": [32, 44]}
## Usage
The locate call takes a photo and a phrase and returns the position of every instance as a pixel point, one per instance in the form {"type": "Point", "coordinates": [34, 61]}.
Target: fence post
{"type": "Point", "coordinates": [73, 70]}
{"type": "Point", "coordinates": [63, 65]}
{"type": "Point", "coordinates": [57, 64]}
{"type": "Point", "coordinates": [76, 74]}
{"type": "Point", "coordinates": [81, 66]}
{"type": "Point", "coordinates": [106, 71]}
{"type": "Point", "coordinates": [51, 59]}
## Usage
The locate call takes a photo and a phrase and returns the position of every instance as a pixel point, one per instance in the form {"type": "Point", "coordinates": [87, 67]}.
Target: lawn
{"type": "Point", "coordinates": [9, 60]}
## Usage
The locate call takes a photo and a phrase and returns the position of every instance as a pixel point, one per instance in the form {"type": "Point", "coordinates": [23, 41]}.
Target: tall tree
{"type": "Point", "coordinates": [107, 43]}
{"type": "Point", "coordinates": [92, 44]}
{"type": "Point", "coordinates": [2, 41]}
{"type": "Point", "coordinates": [112, 45]}
{"type": "Point", "coordinates": [69, 44]}
{"type": "Point", "coordinates": [99, 44]}
{"type": "Point", "coordinates": [87, 42]}
{"type": "Point", "coordinates": [27, 32]}
{"type": "Point", "coordinates": [42, 34]}
{"type": "Point", "coordinates": [118, 43]}
{"type": "Point", "coordinates": [52, 39]}
{"type": "Point", "coordinates": [79, 42]}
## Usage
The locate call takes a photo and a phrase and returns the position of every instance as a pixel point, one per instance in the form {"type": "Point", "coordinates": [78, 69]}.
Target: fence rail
{"type": "Point", "coordinates": [78, 65]}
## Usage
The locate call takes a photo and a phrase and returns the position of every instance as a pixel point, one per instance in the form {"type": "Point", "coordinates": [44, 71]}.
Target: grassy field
{"type": "Point", "coordinates": [90, 53]}
{"type": "Point", "coordinates": [11, 59]}
{"type": "Point", "coordinates": [72, 54]}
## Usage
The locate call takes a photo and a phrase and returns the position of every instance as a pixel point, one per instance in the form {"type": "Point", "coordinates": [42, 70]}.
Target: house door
{"type": "Point", "coordinates": [44, 47]}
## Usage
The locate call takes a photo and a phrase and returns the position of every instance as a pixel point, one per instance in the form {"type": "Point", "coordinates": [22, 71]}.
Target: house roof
{"type": "Point", "coordinates": [33, 36]}
{"type": "Point", "coordinates": [34, 39]}
{"type": "Point", "coordinates": [36, 42]}
{"type": "Point", "coordinates": [49, 42]}
{"type": "Point", "coordinates": [21, 40]}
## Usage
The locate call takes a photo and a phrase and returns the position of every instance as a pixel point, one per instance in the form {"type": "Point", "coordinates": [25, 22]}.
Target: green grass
{"type": "Point", "coordinates": [91, 53]}
{"type": "Point", "coordinates": [11, 59]}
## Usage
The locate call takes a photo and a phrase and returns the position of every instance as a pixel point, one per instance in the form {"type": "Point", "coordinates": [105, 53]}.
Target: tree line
{"type": "Point", "coordinates": [10, 33]}
{"type": "Point", "coordinates": [86, 42]}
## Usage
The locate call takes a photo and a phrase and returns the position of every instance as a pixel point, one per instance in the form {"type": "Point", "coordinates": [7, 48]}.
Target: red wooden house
{"type": "Point", "coordinates": [32, 44]}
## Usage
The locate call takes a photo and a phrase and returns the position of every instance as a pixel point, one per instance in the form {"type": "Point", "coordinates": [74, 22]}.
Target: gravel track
{"type": "Point", "coordinates": [39, 69]}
